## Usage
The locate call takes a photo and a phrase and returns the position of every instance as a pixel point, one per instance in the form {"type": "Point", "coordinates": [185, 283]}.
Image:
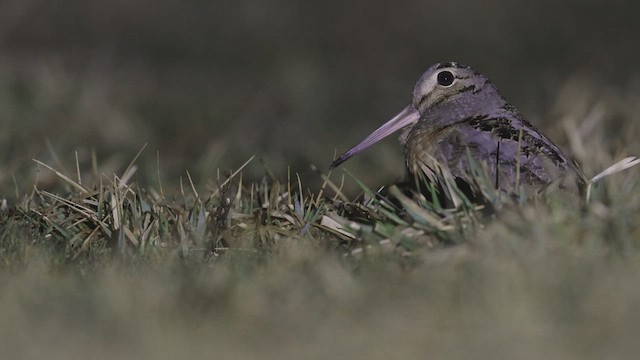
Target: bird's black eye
{"type": "Point", "coordinates": [445, 78]}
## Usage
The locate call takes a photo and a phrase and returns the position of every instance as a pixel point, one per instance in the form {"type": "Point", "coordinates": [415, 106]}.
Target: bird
{"type": "Point", "coordinates": [458, 118]}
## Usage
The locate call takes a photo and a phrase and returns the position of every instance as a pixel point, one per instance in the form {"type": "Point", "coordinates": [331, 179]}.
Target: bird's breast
{"type": "Point", "coordinates": [426, 151]}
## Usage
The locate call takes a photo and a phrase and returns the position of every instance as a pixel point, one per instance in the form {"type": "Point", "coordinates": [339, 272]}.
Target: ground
{"type": "Point", "coordinates": [135, 221]}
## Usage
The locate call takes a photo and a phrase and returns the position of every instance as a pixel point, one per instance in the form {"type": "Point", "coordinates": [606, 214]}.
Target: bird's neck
{"type": "Point", "coordinates": [487, 101]}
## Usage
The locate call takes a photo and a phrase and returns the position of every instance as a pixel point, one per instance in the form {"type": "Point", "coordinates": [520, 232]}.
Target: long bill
{"type": "Point", "coordinates": [408, 116]}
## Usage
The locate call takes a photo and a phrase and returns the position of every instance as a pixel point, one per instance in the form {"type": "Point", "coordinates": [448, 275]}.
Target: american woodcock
{"type": "Point", "coordinates": [458, 117]}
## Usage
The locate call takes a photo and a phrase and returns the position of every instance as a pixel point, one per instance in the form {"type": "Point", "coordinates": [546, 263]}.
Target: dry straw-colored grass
{"type": "Point", "coordinates": [100, 266]}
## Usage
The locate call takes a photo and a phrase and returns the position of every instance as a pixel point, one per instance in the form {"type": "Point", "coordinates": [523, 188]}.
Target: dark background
{"type": "Point", "coordinates": [207, 84]}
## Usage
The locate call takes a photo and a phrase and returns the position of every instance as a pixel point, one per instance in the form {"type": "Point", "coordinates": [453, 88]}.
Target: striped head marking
{"type": "Point", "coordinates": [447, 83]}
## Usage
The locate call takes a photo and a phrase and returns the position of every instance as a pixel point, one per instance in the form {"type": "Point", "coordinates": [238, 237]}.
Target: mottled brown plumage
{"type": "Point", "coordinates": [457, 118]}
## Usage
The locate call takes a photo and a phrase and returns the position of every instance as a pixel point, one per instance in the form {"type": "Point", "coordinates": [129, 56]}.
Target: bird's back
{"type": "Point", "coordinates": [511, 151]}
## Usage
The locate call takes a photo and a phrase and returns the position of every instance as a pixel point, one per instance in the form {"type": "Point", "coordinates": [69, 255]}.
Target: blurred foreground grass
{"type": "Point", "coordinates": [142, 264]}
{"type": "Point", "coordinates": [94, 263]}
{"type": "Point", "coordinates": [300, 303]}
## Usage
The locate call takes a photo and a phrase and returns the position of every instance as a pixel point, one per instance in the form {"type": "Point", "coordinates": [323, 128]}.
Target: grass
{"type": "Point", "coordinates": [98, 263]}
{"type": "Point", "coordinates": [105, 254]}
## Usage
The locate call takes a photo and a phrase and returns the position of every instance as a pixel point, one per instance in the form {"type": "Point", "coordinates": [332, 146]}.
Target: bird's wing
{"type": "Point", "coordinates": [511, 154]}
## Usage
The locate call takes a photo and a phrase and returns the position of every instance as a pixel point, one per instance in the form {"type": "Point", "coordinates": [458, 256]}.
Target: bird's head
{"type": "Point", "coordinates": [444, 93]}
{"type": "Point", "coordinates": [452, 91]}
